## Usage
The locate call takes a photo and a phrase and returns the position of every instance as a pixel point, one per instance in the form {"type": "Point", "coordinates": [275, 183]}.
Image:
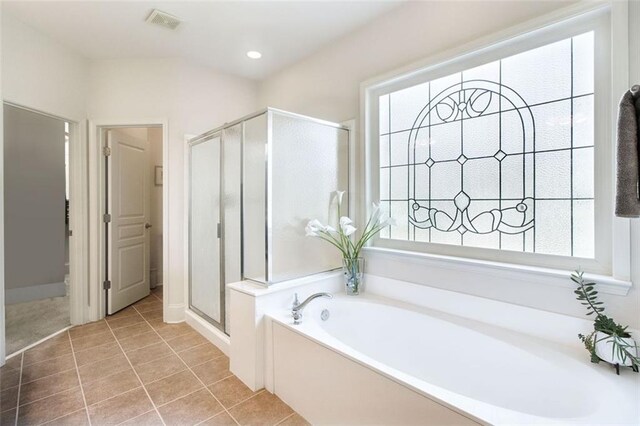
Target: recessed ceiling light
{"type": "Point", "coordinates": [254, 55]}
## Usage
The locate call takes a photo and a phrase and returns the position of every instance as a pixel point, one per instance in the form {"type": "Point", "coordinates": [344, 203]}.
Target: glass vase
{"type": "Point", "coordinates": [353, 270]}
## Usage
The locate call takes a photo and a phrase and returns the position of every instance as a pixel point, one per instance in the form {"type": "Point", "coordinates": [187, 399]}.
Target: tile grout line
{"type": "Point", "coordinates": [136, 373]}
{"type": "Point", "coordinates": [75, 362]}
{"type": "Point", "coordinates": [48, 375]}
{"type": "Point", "coordinates": [138, 416]}
{"type": "Point", "coordinates": [58, 418]}
{"type": "Point", "coordinates": [237, 403]}
{"type": "Point", "coordinates": [248, 398]}
{"type": "Point", "coordinates": [19, 388]}
{"type": "Point", "coordinates": [88, 405]}
{"type": "Point", "coordinates": [195, 375]}
{"type": "Point", "coordinates": [178, 372]}
{"type": "Point", "coordinates": [48, 396]}
{"type": "Point", "coordinates": [283, 420]}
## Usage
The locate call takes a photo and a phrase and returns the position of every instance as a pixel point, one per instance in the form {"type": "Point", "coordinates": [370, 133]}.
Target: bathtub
{"type": "Point", "coordinates": [380, 361]}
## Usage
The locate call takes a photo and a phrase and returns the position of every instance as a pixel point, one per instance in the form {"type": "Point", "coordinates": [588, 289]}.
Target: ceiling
{"type": "Point", "coordinates": [214, 33]}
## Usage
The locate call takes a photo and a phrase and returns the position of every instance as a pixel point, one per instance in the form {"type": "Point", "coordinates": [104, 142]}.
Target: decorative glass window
{"type": "Point", "coordinates": [499, 156]}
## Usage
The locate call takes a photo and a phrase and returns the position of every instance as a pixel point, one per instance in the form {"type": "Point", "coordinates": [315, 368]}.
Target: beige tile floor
{"type": "Point", "coordinates": [132, 369]}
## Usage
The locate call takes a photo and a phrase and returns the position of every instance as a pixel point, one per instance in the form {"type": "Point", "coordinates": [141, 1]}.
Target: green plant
{"type": "Point", "coordinates": [588, 296]}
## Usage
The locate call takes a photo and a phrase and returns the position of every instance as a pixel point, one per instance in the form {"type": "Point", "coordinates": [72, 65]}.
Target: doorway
{"type": "Point", "coordinates": [36, 226]}
{"type": "Point", "coordinates": [133, 215]}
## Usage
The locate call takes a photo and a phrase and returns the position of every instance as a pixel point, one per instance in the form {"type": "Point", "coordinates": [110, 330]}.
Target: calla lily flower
{"type": "Point", "coordinates": [342, 238]}
{"type": "Point", "coordinates": [346, 225]}
{"type": "Point", "coordinates": [331, 230]}
{"type": "Point", "coordinates": [348, 230]}
{"type": "Point", "coordinates": [314, 227]}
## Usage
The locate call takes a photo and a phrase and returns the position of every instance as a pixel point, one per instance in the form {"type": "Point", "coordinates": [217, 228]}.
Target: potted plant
{"type": "Point", "coordinates": [609, 341]}
{"type": "Point", "coordinates": [341, 237]}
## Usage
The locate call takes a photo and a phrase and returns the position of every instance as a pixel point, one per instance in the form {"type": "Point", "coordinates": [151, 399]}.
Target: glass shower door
{"type": "Point", "coordinates": [206, 295]}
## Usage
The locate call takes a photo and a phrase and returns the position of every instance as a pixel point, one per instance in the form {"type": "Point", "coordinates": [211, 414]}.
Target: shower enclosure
{"type": "Point", "coordinates": [254, 183]}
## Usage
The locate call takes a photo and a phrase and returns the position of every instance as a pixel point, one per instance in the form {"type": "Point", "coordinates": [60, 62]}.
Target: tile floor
{"type": "Point", "coordinates": [132, 369]}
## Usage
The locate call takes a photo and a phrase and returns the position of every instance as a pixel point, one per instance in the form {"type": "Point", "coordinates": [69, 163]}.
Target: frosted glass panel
{"type": "Point", "coordinates": [204, 218]}
{"type": "Point", "coordinates": [497, 156]}
{"type": "Point", "coordinates": [309, 161]}
{"type": "Point", "coordinates": [254, 232]}
{"type": "Point", "coordinates": [232, 179]}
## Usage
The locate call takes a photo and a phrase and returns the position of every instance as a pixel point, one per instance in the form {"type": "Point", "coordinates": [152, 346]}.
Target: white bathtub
{"type": "Point", "coordinates": [380, 361]}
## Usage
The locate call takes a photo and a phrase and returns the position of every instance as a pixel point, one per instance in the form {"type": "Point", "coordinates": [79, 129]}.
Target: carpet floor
{"type": "Point", "coordinates": [29, 322]}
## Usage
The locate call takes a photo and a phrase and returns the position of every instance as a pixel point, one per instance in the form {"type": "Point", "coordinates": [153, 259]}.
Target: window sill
{"type": "Point", "coordinates": [545, 276]}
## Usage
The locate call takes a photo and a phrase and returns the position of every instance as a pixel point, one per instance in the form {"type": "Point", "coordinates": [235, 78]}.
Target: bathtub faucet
{"type": "Point", "coordinates": [296, 309]}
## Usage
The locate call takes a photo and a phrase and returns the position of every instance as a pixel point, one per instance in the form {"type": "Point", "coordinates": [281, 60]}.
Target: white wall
{"type": "Point", "coordinates": [46, 76]}
{"type": "Point", "coordinates": [193, 99]}
{"type": "Point", "coordinates": [326, 85]}
{"type": "Point", "coordinates": [42, 74]}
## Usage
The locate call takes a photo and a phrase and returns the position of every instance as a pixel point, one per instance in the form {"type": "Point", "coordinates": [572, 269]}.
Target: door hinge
{"type": "Point", "coordinates": [106, 218]}
{"type": "Point", "coordinates": [106, 284]}
{"type": "Point", "coordinates": [70, 233]}
{"type": "Point", "coordinates": [106, 151]}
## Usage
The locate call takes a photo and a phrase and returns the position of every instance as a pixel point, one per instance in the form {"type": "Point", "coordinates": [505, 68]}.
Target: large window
{"type": "Point", "coordinates": [498, 153]}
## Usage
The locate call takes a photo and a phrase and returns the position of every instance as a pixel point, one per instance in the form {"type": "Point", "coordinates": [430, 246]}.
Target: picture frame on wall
{"type": "Point", "coordinates": [159, 176]}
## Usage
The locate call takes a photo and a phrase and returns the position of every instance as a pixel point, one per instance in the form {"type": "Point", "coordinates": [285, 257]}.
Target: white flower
{"type": "Point", "coordinates": [344, 220]}
{"type": "Point", "coordinates": [388, 221]}
{"type": "Point", "coordinates": [376, 213]}
{"type": "Point", "coordinates": [314, 227]}
{"type": "Point", "coordinates": [331, 230]}
{"type": "Point", "coordinates": [348, 230]}
{"type": "Point", "coordinates": [346, 225]}
{"type": "Point", "coordinates": [379, 217]}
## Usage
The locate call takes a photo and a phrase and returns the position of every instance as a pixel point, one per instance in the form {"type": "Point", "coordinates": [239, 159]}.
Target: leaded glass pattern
{"type": "Point", "coordinates": [500, 156]}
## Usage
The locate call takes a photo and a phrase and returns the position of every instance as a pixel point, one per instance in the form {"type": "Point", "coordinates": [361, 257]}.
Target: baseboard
{"type": "Point", "coordinates": [34, 292]}
{"type": "Point", "coordinates": [174, 313]}
{"type": "Point", "coordinates": [212, 334]}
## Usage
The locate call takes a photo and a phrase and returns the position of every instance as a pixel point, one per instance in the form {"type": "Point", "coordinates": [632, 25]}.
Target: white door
{"type": "Point", "coordinates": [128, 180]}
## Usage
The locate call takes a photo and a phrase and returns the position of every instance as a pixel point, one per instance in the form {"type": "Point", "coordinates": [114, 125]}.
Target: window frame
{"type": "Point", "coordinates": [609, 233]}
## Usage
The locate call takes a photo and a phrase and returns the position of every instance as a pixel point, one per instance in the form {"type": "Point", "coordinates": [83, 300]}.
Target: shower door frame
{"type": "Point", "coordinates": [205, 137]}
{"type": "Point", "coordinates": [349, 126]}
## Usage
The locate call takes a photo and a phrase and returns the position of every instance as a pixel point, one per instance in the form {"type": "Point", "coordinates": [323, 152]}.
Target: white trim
{"type": "Point", "coordinates": [614, 262]}
{"type": "Point", "coordinates": [78, 253]}
{"type": "Point", "coordinates": [96, 308]}
{"type": "Point", "coordinates": [35, 292]}
{"type": "Point", "coordinates": [486, 42]}
{"type": "Point", "coordinates": [78, 223]}
{"type": "Point", "coordinates": [185, 222]}
{"type": "Point", "coordinates": [548, 276]}
{"type": "Point", "coordinates": [354, 196]}
{"type": "Point", "coordinates": [211, 333]}
{"type": "Point", "coordinates": [621, 227]}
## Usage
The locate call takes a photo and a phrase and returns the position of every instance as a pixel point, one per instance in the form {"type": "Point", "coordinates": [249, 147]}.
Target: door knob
{"type": "Point", "coordinates": [147, 225]}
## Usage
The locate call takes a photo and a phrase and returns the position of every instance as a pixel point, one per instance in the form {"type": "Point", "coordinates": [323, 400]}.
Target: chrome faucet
{"type": "Point", "coordinates": [296, 309]}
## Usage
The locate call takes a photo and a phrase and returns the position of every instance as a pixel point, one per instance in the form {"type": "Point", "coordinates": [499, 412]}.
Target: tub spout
{"type": "Point", "coordinates": [296, 309]}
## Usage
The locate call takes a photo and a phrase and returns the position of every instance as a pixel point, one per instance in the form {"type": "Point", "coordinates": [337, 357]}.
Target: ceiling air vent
{"type": "Point", "coordinates": [163, 19]}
